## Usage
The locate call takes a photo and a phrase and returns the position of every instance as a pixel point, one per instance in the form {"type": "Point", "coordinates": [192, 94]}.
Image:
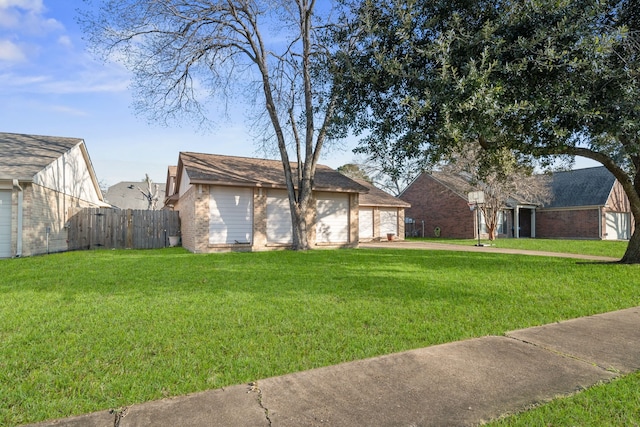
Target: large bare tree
{"type": "Point", "coordinates": [184, 53]}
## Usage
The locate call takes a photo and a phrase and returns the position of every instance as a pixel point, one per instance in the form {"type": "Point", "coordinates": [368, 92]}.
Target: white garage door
{"type": "Point", "coordinates": [230, 215]}
{"type": "Point", "coordinates": [278, 217]}
{"type": "Point", "coordinates": [617, 226]}
{"type": "Point", "coordinates": [333, 218]}
{"type": "Point", "coordinates": [5, 224]}
{"type": "Point", "coordinates": [388, 221]}
{"type": "Point", "coordinates": [365, 227]}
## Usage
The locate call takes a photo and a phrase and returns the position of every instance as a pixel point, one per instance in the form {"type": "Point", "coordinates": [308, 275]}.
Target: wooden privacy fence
{"type": "Point", "coordinates": [93, 228]}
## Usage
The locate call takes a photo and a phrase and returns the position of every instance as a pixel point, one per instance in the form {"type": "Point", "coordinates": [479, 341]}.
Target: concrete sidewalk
{"type": "Point", "coordinates": [436, 246]}
{"type": "Point", "coordinates": [456, 384]}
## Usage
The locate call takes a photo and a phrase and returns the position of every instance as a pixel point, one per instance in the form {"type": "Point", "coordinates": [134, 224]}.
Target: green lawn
{"type": "Point", "coordinates": [613, 404]}
{"type": "Point", "coordinates": [86, 331]}
{"type": "Point", "coordinates": [610, 248]}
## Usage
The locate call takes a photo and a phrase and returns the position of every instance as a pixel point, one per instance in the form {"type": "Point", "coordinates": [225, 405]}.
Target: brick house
{"type": "Point", "coordinates": [439, 207]}
{"type": "Point", "coordinates": [239, 203]}
{"type": "Point", "coordinates": [586, 204]}
{"type": "Point", "coordinates": [42, 180]}
{"type": "Point", "coordinates": [380, 214]}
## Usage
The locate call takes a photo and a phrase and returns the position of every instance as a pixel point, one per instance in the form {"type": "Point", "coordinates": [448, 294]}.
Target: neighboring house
{"type": "Point", "coordinates": [380, 214]}
{"type": "Point", "coordinates": [239, 203]}
{"type": "Point", "coordinates": [127, 195]}
{"type": "Point", "coordinates": [439, 206]}
{"type": "Point", "coordinates": [587, 204]}
{"type": "Point", "coordinates": [42, 180]}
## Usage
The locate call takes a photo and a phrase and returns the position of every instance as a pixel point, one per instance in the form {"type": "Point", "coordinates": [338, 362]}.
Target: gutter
{"type": "Point", "coordinates": [16, 184]}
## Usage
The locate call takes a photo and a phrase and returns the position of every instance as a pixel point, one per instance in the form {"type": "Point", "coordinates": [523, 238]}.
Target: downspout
{"type": "Point", "coordinates": [16, 184]}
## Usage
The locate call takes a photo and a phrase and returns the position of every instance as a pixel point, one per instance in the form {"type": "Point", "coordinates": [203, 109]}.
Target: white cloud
{"type": "Point", "coordinates": [10, 52]}
{"type": "Point", "coordinates": [27, 17]}
{"type": "Point", "coordinates": [34, 5]}
{"type": "Point", "coordinates": [65, 41]}
{"type": "Point", "coordinates": [68, 110]}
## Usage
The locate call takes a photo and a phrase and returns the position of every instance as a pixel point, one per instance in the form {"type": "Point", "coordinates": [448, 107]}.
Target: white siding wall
{"type": "Point", "coordinates": [365, 223]}
{"type": "Point", "coordinates": [184, 183]}
{"type": "Point", "coordinates": [231, 215]}
{"type": "Point", "coordinates": [388, 221]}
{"type": "Point", "coordinates": [5, 223]}
{"type": "Point", "coordinates": [70, 175]}
{"type": "Point", "coordinates": [618, 226]}
{"type": "Point", "coordinates": [278, 217]}
{"type": "Point", "coordinates": [332, 218]}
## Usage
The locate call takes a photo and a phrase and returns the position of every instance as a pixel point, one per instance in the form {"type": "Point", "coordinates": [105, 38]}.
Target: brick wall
{"type": "Point", "coordinates": [438, 206]}
{"type": "Point", "coordinates": [353, 220]}
{"type": "Point", "coordinates": [186, 207]}
{"type": "Point", "coordinates": [259, 219]}
{"type": "Point", "coordinates": [579, 224]}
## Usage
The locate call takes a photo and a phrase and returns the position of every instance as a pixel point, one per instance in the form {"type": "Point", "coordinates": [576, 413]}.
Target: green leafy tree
{"type": "Point", "coordinates": [542, 78]}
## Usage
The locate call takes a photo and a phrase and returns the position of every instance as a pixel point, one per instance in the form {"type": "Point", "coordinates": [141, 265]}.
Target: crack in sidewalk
{"type": "Point", "coordinates": [119, 415]}
{"type": "Point", "coordinates": [560, 353]}
{"type": "Point", "coordinates": [255, 388]}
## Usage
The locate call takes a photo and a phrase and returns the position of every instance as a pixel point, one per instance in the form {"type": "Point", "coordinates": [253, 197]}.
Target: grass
{"type": "Point", "coordinates": [609, 248]}
{"type": "Point", "coordinates": [613, 404]}
{"type": "Point", "coordinates": [85, 331]}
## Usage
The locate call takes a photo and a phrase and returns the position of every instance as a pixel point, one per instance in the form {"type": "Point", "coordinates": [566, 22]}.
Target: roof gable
{"type": "Point", "coordinates": [245, 171]}
{"type": "Point", "coordinates": [581, 187]}
{"type": "Point", "coordinates": [23, 156]}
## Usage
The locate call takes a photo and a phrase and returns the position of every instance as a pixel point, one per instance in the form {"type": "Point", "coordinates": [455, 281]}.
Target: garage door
{"type": "Point", "coordinates": [365, 226]}
{"type": "Point", "coordinates": [333, 218]}
{"type": "Point", "coordinates": [618, 227]}
{"type": "Point", "coordinates": [388, 221]}
{"type": "Point", "coordinates": [231, 215]}
{"type": "Point", "coordinates": [278, 217]}
{"type": "Point", "coordinates": [5, 224]}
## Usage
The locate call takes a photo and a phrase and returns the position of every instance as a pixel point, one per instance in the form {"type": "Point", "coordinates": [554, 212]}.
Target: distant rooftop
{"type": "Point", "coordinates": [581, 187]}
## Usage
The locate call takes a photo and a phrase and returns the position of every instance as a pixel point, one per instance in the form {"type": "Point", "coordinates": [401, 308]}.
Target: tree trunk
{"type": "Point", "coordinates": [302, 221]}
{"type": "Point", "coordinates": [492, 233]}
{"type": "Point", "coordinates": [632, 254]}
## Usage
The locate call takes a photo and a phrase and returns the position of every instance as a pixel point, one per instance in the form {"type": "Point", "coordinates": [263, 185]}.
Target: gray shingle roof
{"type": "Point", "coordinates": [377, 197]}
{"type": "Point", "coordinates": [23, 156]}
{"type": "Point", "coordinates": [245, 171]}
{"type": "Point", "coordinates": [581, 187]}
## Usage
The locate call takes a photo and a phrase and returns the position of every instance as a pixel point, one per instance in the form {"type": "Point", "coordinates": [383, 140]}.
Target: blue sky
{"type": "Point", "coordinates": [51, 85]}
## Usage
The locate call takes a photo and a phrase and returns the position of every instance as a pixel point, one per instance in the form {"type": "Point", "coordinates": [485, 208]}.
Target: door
{"type": "Point", "coordinates": [332, 218]}
{"type": "Point", "coordinates": [5, 223]}
{"type": "Point", "coordinates": [365, 223]}
{"type": "Point", "coordinates": [230, 215]}
{"type": "Point", "coordinates": [618, 227]}
{"type": "Point", "coordinates": [279, 228]}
